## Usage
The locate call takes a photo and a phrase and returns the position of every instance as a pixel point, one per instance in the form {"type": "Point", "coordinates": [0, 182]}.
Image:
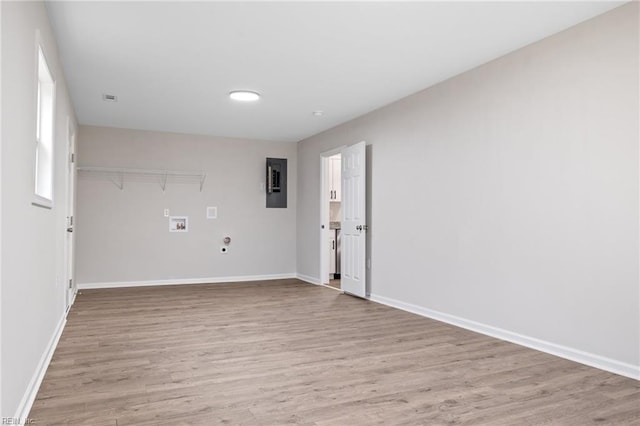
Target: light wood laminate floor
{"type": "Point", "coordinates": [285, 352]}
{"type": "Point", "coordinates": [335, 283]}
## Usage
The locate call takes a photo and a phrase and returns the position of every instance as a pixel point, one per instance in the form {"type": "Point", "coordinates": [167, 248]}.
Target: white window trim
{"type": "Point", "coordinates": [39, 200]}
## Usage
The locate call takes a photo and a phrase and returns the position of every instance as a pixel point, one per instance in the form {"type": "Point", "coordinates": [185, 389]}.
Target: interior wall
{"type": "Point", "coordinates": [123, 236]}
{"type": "Point", "coordinates": [32, 248]}
{"type": "Point", "coordinates": [507, 196]}
{"type": "Point", "coordinates": [1, 411]}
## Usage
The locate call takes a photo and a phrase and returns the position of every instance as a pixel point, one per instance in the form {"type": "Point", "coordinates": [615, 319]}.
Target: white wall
{"type": "Point", "coordinates": [122, 236]}
{"type": "Point", "coordinates": [32, 275]}
{"type": "Point", "coordinates": [507, 196]}
{"type": "Point", "coordinates": [1, 411]}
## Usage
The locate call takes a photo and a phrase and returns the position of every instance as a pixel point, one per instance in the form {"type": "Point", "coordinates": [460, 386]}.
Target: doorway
{"type": "Point", "coordinates": [330, 213]}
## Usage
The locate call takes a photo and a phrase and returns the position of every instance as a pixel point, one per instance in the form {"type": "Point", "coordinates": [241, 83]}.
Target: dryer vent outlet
{"type": "Point", "coordinates": [224, 249]}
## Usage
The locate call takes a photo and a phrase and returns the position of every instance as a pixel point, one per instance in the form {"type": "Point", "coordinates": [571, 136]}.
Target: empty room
{"type": "Point", "coordinates": [320, 213]}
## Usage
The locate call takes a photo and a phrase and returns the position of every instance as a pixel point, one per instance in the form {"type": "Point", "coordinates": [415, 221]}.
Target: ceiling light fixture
{"type": "Point", "coordinates": [317, 113]}
{"type": "Point", "coordinates": [244, 95]}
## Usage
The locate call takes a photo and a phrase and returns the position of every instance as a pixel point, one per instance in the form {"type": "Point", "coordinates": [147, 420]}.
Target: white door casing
{"type": "Point", "coordinates": [336, 181]}
{"type": "Point", "coordinates": [326, 177]}
{"type": "Point", "coordinates": [70, 240]}
{"type": "Point", "coordinates": [353, 233]}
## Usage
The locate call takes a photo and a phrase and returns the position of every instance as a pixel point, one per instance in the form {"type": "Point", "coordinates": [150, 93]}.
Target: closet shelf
{"type": "Point", "coordinates": [118, 176]}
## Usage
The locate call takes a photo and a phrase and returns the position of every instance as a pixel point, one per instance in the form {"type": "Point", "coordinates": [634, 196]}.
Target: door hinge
{"type": "Point", "coordinates": [70, 283]}
{"type": "Point", "coordinates": [73, 157]}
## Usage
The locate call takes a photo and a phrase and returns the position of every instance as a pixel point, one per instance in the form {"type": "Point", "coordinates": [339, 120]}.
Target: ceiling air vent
{"type": "Point", "coordinates": [109, 98]}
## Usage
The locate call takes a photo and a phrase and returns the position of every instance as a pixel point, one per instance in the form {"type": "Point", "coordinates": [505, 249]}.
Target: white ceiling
{"type": "Point", "coordinates": [172, 64]}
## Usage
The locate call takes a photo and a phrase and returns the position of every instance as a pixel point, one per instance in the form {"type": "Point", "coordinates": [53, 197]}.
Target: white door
{"type": "Point", "coordinates": [69, 241]}
{"type": "Point", "coordinates": [353, 238]}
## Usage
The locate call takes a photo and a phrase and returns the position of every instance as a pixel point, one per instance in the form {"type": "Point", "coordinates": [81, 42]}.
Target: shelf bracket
{"type": "Point", "coordinates": [202, 178]}
{"type": "Point", "coordinates": [163, 184]}
{"type": "Point", "coordinates": [119, 184]}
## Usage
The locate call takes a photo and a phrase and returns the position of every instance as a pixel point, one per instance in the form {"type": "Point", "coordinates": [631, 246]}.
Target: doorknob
{"type": "Point", "coordinates": [70, 229]}
{"type": "Point", "coordinates": [359, 228]}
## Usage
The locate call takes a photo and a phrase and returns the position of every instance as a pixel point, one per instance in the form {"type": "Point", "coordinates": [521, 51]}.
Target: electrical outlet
{"type": "Point", "coordinates": [166, 212]}
{"type": "Point", "coordinates": [224, 249]}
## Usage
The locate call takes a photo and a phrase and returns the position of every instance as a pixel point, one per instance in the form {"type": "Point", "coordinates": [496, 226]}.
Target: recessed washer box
{"type": "Point", "coordinates": [178, 224]}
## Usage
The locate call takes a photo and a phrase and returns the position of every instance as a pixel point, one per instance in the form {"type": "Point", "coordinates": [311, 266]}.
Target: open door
{"type": "Point", "coordinates": [353, 257]}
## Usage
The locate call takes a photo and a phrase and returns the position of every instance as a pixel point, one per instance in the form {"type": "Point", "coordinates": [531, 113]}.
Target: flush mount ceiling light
{"type": "Point", "coordinates": [244, 95]}
{"type": "Point", "coordinates": [317, 113]}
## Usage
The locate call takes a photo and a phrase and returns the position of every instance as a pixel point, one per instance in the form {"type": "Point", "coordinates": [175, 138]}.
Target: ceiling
{"type": "Point", "coordinates": [172, 64]}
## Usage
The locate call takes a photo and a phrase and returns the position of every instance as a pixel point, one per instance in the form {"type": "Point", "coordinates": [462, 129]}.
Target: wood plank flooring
{"type": "Point", "coordinates": [335, 283]}
{"type": "Point", "coordinates": [285, 352]}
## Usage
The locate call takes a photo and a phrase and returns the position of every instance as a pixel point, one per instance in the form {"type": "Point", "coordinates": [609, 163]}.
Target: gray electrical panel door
{"type": "Point", "coordinates": [276, 182]}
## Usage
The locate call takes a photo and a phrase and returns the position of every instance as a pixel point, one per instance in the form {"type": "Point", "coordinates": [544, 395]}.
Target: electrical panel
{"type": "Point", "coordinates": [276, 183]}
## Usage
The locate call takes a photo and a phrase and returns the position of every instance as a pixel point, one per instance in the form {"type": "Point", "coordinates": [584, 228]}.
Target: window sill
{"type": "Point", "coordinates": [42, 202]}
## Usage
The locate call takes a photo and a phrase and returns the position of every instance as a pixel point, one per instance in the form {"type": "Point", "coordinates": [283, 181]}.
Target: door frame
{"type": "Point", "coordinates": [324, 212]}
{"type": "Point", "coordinates": [69, 241]}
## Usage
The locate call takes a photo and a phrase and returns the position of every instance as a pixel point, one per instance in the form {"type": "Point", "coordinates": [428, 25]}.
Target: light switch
{"type": "Point", "coordinates": [166, 212]}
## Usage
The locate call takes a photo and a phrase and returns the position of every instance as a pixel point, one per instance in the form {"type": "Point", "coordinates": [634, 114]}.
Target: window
{"type": "Point", "coordinates": [44, 134]}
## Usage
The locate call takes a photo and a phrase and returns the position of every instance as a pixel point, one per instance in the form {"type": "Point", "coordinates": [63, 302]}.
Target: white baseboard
{"type": "Point", "coordinates": [75, 294]}
{"type": "Point", "coordinates": [30, 394]}
{"type": "Point", "coordinates": [308, 279]}
{"type": "Point", "coordinates": [73, 300]}
{"type": "Point", "coordinates": [180, 281]}
{"type": "Point", "coordinates": [592, 360]}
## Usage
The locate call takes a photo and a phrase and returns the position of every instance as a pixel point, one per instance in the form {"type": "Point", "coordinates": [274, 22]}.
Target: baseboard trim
{"type": "Point", "coordinates": [24, 408]}
{"type": "Point", "coordinates": [308, 279]}
{"type": "Point", "coordinates": [181, 281]}
{"type": "Point", "coordinates": [592, 360]}
{"type": "Point", "coordinates": [73, 300]}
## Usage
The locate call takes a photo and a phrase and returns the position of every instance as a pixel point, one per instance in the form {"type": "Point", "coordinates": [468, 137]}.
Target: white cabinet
{"type": "Point", "coordinates": [335, 178]}
{"type": "Point", "coordinates": [332, 253]}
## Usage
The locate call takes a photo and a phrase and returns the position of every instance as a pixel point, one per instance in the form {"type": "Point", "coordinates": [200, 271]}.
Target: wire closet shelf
{"type": "Point", "coordinates": [119, 176]}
